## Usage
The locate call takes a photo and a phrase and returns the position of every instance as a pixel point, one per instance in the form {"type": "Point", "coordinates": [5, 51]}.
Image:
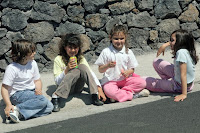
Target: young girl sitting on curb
{"type": "Point", "coordinates": [71, 74]}
{"type": "Point", "coordinates": [178, 77]}
{"type": "Point", "coordinates": [118, 63]}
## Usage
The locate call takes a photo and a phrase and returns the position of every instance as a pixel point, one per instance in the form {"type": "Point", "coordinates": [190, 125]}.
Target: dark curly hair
{"type": "Point", "coordinates": [20, 49]}
{"type": "Point", "coordinates": [72, 40]}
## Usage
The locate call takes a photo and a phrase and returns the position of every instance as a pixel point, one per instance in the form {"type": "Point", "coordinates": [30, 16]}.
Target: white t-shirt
{"type": "Point", "coordinates": [21, 77]}
{"type": "Point", "coordinates": [123, 61]}
{"type": "Point", "coordinates": [183, 56]}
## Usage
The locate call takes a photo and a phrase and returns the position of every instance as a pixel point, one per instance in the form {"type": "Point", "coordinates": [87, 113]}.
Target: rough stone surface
{"type": "Point", "coordinates": [92, 6]}
{"type": "Point", "coordinates": [68, 27]}
{"type": "Point", "coordinates": [20, 4]}
{"type": "Point", "coordinates": [138, 37]}
{"type": "Point", "coordinates": [13, 36]}
{"type": "Point", "coordinates": [189, 15]}
{"type": "Point", "coordinates": [14, 19]}
{"type": "Point", "coordinates": [39, 32]}
{"type": "Point", "coordinates": [144, 5]}
{"type": "Point", "coordinates": [3, 32]}
{"type": "Point", "coordinates": [52, 49]}
{"type": "Point", "coordinates": [121, 7]}
{"type": "Point", "coordinates": [76, 13]}
{"type": "Point", "coordinates": [141, 20]}
{"type": "Point", "coordinates": [167, 8]}
{"type": "Point", "coordinates": [96, 21]}
{"type": "Point", "coordinates": [165, 28]}
{"type": "Point", "coordinates": [46, 11]}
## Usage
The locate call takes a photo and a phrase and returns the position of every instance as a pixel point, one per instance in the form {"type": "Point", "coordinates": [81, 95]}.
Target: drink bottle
{"type": "Point", "coordinates": [73, 58]}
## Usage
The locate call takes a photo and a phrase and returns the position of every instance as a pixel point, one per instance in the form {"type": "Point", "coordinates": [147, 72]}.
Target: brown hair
{"type": "Point", "coordinates": [20, 49]}
{"type": "Point", "coordinates": [185, 40]}
{"type": "Point", "coordinates": [117, 28]}
{"type": "Point", "coordinates": [70, 40]}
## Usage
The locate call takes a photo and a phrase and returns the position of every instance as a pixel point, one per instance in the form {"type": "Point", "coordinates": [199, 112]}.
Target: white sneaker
{"type": "Point", "coordinates": [143, 93]}
{"type": "Point", "coordinates": [14, 116]}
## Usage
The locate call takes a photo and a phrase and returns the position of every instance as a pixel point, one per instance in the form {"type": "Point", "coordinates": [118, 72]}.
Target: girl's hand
{"type": "Point", "coordinates": [126, 73]}
{"type": "Point", "coordinates": [101, 94]}
{"type": "Point", "coordinates": [38, 91]}
{"type": "Point", "coordinates": [111, 64]}
{"type": "Point", "coordinates": [72, 64]}
{"type": "Point", "coordinates": [180, 97]}
{"type": "Point", "coordinates": [8, 109]}
{"type": "Point", "coordinates": [162, 49]}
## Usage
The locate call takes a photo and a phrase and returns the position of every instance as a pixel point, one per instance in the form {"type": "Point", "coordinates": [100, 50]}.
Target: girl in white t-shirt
{"type": "Point", "coordinates": [178, 77]}
{"type": "Point", "coordinates": [118, 63]}
{"type": "Point", "coordinates": [22, 87]}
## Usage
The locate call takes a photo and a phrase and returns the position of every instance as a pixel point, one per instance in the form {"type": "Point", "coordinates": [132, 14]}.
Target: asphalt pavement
{"type": "Point", "coordinates": [162, 116]}
{"type": "Point", "coordinates": [155, 113]}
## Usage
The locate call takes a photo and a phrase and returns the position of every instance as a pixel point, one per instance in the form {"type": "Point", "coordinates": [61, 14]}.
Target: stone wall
{"type": "Point", "coordinates": [150, 22]}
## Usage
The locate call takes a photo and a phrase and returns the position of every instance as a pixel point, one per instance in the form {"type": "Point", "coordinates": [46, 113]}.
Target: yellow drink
{"type": "Point", "coordinates": [73, 58]}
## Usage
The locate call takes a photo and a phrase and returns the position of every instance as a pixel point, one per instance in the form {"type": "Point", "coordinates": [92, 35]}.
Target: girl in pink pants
{"type": "Point", "coordinates": [180, 76]}
{"type": "Point", "coordinates": [167, 82]}
{"type": "Point", "coordinates": [118, 63]}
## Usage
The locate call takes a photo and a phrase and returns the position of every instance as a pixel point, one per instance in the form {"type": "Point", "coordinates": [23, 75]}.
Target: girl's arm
{"type": "Point", "coordinates": [103, 68]}
{"type": "Point", "coordinates": [162, 48]}
{"type": "Point", "coordinates": [59, 73]}
{"type": "Point", "coordinates": [58, 70]}
{"type": "Point", "coordinates": [183, 69]}
{"type": "Point", "coordinates": [38, 87]}
{"type": "Point", "coordinates": [6, 98]}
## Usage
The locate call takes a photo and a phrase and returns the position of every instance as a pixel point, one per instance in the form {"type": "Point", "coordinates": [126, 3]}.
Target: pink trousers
{"type": "Point", "coordinates": [123, 90]}
{"type": "Point", "coordinates": [167, 83]}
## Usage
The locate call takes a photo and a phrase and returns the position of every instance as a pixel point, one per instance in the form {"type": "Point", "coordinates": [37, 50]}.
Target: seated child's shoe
{"type": "Point", "coordinates": [8, 120]}
{"type": "Point", "coordinates": [14, 116]}
{"type": "Point", "coordinates": [143, 93]}
{"type": "Point", "coordinates": [55, 102]}
{"type": "Point", "coordinates": [96, 101]}
{"type": "Point", "coordinates": [112, 100]}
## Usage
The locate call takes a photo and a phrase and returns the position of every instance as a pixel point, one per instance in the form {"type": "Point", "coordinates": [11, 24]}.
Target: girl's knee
{"type": "Point", "coordinates": [42, 101]}
{"type": "Point", "coordinates": [156, 62]}
{"type": "Point", "coordinates": [49, 106]}
{"type": "Point", "coordinates": [82, 67]}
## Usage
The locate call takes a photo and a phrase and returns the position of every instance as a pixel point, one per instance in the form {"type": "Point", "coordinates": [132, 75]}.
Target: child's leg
{"type": "Point", "coordinates": [87, 77]}
{"type": "Point", "coordinates": [164, 69]}
{"type": "Point", "coordinates": [28, 103]}
{"type": "Point", "coordinates": [45, 111]}
{"type": "Point", "coordinates": [134, 84]}
{"type": "Point", "coordinates": [112, 90]}
{"type": "Point", "coordinates": [67, 83]}
{"type": "Point", "coordinates": [160, 85]}
{"type": "Point", "coordinates": [74, 82]}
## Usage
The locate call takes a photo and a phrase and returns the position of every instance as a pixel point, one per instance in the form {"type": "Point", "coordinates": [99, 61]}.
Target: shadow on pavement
{"type": "Point", "coordinates": [84, 95]}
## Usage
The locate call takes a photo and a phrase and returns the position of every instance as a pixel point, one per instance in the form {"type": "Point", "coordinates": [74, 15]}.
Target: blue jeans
{"type": "Point", "coordinates": [31, 105]}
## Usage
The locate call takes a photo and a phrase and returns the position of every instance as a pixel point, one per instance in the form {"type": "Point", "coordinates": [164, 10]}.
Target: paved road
{"type": "Point", "coordinates": [162, 116]}
{"type": "Point", "coordinates": [152, 113]}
